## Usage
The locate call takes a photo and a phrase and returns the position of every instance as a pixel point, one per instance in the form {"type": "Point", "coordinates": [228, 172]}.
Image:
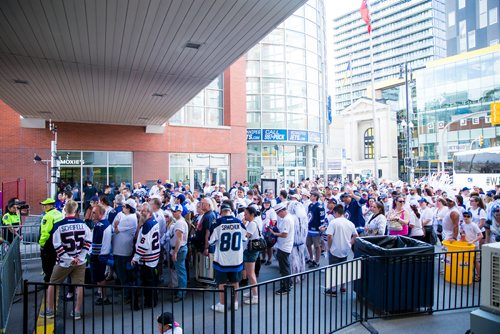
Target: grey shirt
{"type": "Point", "coordinates": [123, 241]}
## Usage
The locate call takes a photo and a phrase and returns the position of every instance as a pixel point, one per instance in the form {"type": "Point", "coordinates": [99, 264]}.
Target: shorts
{"type": "Point", "coordinates": [77, 274]}
{"type": "Point", "coordinates": [97, 270]}
{"type": "Point", "coordinates": [222, 277]}
{"type": "Point", "coordinates": [315, 240]}
{"type": "Point", "coordinates": [250, 256]}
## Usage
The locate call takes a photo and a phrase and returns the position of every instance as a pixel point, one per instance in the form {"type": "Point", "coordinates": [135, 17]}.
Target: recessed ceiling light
{"type": "Point", "coordinates": [193, 45]}
{"type": "Point", "coordinates": [158, 95]}
{"type": "Point", "coordinates": [143, 118]}
{"type": "Point", "coordinates": [19, 81]}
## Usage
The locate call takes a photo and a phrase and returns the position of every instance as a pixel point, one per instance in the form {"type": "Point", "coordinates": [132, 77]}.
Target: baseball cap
{"type": "Point", "coordinates": [332, 199]}
{"type": "Point", "coordinates": [306, 193]}
{"type": "Point", "coordinates": [131, 204]}
{"type": "Point", "coordinates": [225, 207]}
{"type": "Point", "coordinates": [48, 201]}
{"type": "Point", "coordinates": [422, 200]}
{"type": "Point", "coordinates": [467, 213]}
{"type": "Point", "coordinates": [177, 207]}
{"type": "Point", "coordinates": [94, 199]}
{"type": "Point", "coordinates": [181, 197]}
{"type": "Point", "coordinates": [267, 200]}
{"type": "Point", "coordinates": [296, 196]}
{"type": "Point", "coordinates": [158, 181]}
{"type": "Point", "coordinates": [465, 188]}
{"type": "Point", "coordinates": [279, 207]}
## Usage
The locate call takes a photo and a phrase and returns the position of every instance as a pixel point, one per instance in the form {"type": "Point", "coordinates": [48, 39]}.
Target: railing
{"type": "Point", "coordinates": [30, 233]}
{"type": "Point", "coordinates": [366, 288]}
{"type": "Point", "coordinates": [10, 276]}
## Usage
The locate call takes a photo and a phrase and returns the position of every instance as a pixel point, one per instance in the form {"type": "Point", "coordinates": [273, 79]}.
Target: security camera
{"type": "Point", "coordinates": [36, 158]}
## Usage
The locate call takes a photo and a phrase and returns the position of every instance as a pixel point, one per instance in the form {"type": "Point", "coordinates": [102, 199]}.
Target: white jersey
{"type": "Point", "coordinates": [147, 248]}
{"type": "Point", "coordinates": [71, 238]}
{"type": "Point", "coordinates": [228, 233]}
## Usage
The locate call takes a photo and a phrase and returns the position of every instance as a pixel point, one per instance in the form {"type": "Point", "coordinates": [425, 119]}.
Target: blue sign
{"type": "Point", "coordinates": [329, 109]}
{"type": "Point", "coordinates": [253, 134]}
{"type": "Point", "coordinates": [296, 135]}
{"type": "Point", "coordinates": [273, 135]}
{"type": "Point", "coordinates": [314, 137]}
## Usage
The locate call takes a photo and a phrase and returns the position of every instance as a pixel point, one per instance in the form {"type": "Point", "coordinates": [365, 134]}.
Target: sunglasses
{"type": "Point", "coordinates": [401, 201]}
{"type": "Point", "coordinates": [467, 216]}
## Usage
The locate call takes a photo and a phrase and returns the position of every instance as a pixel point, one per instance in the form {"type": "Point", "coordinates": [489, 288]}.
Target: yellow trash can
{"type": "Point", "coordinates": [459, 267]}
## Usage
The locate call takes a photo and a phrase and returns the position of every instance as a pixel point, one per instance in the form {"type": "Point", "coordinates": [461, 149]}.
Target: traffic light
{"type": "Point", "coordinates": [481, 140]}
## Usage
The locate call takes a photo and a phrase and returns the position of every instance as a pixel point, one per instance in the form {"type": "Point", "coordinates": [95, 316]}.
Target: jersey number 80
{"type": "Point", "coordinates": [230, 241]}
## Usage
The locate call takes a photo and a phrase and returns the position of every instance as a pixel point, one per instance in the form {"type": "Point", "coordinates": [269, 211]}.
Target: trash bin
{"type": "Point", "coordinates": [459, 267]}
{"type": "Point", "coordinates": [397, 273]}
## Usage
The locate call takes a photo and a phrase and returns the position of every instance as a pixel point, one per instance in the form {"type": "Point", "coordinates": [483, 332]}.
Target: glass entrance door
{"type": "Point", "coordinates": [222, 177]}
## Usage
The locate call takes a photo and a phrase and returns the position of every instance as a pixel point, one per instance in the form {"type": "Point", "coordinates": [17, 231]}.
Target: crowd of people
{"type": "Point", "coordinates": [152, 237]}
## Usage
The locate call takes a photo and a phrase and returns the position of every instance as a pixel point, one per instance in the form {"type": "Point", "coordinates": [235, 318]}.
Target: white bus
{"type": "Point", "coordinates": [480, 168]}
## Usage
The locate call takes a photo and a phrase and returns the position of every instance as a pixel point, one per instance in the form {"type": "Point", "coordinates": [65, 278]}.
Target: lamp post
{"type": "Point", "coordinates": [408, 125]}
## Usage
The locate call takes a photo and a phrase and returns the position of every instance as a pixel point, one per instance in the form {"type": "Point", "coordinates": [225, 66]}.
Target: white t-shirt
{"type": "Point", "coordinates": [471, 230]}
{"type": "Point", "coordinates": [416, 230]}
{"type": "Point", "coordinates": [341, 229]}
{"type": "Point", "coordinates": [426, 214]}
{"type": "Point", "coordinates": [252, 229]}
{"type": "Point", "coordinates": [477, 215]}
{"type": "Point", "coordinates": [267, 216]}
{"type": "Point", "coordinates": [286, 224]}
{"type": "Point", "coordinates": [179, 225]}
{"type": "Point", "coordinates": [175, 330]}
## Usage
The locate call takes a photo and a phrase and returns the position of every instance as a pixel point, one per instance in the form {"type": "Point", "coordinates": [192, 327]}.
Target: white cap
{"type": "Point", "coordinates": [296, 196]}
{"type": "Point", "coordinates": [279, 207]}
{"type": "Point", "coordinates": [132, 203]}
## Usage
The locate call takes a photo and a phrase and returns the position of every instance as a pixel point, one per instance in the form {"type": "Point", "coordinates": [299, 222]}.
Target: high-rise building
{"type": "Point", "coordinates": [471, 25]}
{"type": "Point", "coordinates": [412, 31]}
{"type": "Point", "coordinates": [285, 95]}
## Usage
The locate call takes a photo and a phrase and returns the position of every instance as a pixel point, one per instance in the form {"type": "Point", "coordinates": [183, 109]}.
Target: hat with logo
{"type": "Point", "coordinates": [177, 207]}
{"type": "Point", "coordinates": [267, 200]}
{"type": "Point", "coordinates": [280, 207]}
{"type": "Point", "coordinates": [422, 200]}
{"type": "Point", "coordinates": [132, 205]}
{"type": "Point", "coordinates": [48, 201]}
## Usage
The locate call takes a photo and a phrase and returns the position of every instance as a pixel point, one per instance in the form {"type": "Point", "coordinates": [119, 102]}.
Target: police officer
{"type": "Point", "coordinates": [47, 252]}
{"type": "Point", "coordinates": [11, 219]}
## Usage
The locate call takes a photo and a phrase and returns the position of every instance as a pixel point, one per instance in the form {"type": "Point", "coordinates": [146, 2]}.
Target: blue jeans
{"type": "Point", "coordinates": [180, 267]}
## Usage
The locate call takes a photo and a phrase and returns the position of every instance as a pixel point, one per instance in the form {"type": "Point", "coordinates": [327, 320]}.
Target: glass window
{"type": "Point", "coordinates": [253, 155]}
{"type": "Point", "coordinates": [296, 88]}
{"type": "Point", "coordinates": [277, 36]}
{"type": "Point", "coordinates": [219, 160]}
{"type": "Point", "coordinates": [297, 121]}
{"type": "Point", "coordinates": [296, 105]}
{"type": "Point", "coordinates": [98, 176]}
{"type": "Point", "coordinates": [253, 120]}
{"type": "Point", "coordinates": [272, 52]}
{"type": "Point", "coordinates": [95, 158]}
{"type": "Point", "coordinates": [295, 55]}
{"type": "Point", "coordinates": [254, 53]}
{"type": "Point", "coordinates": [461, 4]}
{"type": "Point", "coordinates": [310, 13]}
{"type": "Point", "coordinates": [493, 16]}
{"type": "Point", "coordinates": [119, 174]}
{"type": "Point", "coordinates": [312, 91]}
{"type": "Point", "coordinates": [253, 86]}
{"type": "Point", "coordinates": [253, 102]}
{"type": "Point", "coordinates": [295, 23]}
{"type": "Point", "coordinates": [272, 69]}
{"type": "Point", "coordinates": [451, 19]}
{"type": "Point", "coordinates": [462, 36]}
{"type": "Point", "coordinates": [312, 30]}
{"type": "Point", "coordinates": [472, 39]}
{"type": "Point", "coordinates": [312, 75]}
{"type": "Point", "coordinates": [313, 107]}
{"type": "Point", "coordinates": [273, 86]}
{"type": "Point", "coordinates": [272, 103]}
{"type": "Point", "coordinates": [274, 121]}
{"type": "Point", "coordinates": [483, 13]}
{"type": "Point", "coordinates": [120, 158]}
{"type": "Point", "coordinates": [179, 174]}
{"type": "Point", "coordinates": [295, 38]}
{"type": "Point", "coordinates": [68, 155]}
{"type": "Point", "coordinates": [214, 115]}
{"type": "Point", "coordinates": [312, 59]}
{"type": "Point", "coordinates": [296, 71]}
{"type": "Point", "coordinates": [253, 68]}
{"type": "Point", "coordinates": [314, 123]}
{"type": "Point", "coordinates": [290, 157]}
{"type": "Point", "coordinates": [178, 159]}
{"type": "Point", "coordinates": [213, 98]}
{"type": "Point", "coordinates": [369, 144]}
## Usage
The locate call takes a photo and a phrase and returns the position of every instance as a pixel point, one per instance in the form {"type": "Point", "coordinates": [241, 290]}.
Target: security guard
{"type": "Point", "coordinates": [47, 252]}
{"type": "Point", "coordinates": [11, 219]}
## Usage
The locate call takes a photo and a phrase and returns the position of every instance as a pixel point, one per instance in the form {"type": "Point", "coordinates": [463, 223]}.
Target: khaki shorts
{"type": "Point", "coordinates": [316, 240]}
{"type": "Point", "coordinates": [77, 274]}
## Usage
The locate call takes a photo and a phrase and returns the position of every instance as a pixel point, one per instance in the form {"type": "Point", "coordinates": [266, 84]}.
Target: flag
{"type": "Point", "coordinates": [329, 109]}
{"type": "Point", "coordinates": [346, 73]}
{"type": "Point", "coordinates": [365, 15]}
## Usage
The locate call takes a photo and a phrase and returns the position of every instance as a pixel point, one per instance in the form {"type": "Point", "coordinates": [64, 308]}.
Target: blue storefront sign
{"type": "Point", "coordinates": [273, 135]}
{"type": "Point", "coordinates": [314, 137]}
{"type": "Point", "coordinates": [296, 135]}
{"type": "Point", "coordinates": [253, 134]}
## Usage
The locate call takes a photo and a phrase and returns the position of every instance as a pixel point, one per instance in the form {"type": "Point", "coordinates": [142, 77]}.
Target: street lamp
{"type": "Point", "coordinates": [38, 159]}
{"type": "Point", "coordinates": [407, 123]}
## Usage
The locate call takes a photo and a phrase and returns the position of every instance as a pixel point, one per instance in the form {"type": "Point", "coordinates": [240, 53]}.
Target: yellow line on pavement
{"type": "Point", "coordinates": [44, 326]}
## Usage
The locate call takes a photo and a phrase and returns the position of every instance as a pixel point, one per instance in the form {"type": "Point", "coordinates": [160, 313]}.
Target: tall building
{"type": "Point", "coordinates": [471, 25]}
{"type": "Point", "coordinates": [412, 31]}
{"type": "Point", "coordinates": [285, 95]}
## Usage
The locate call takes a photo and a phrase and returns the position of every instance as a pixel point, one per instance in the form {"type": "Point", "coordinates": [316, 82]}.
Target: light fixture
{"type": "Point", "coordinates": [158, 95]}
{"type": "Point", "coordinates": [20, 81]}
{"type": "Point", "coordinates": [192, 45]}
{"type": "Point", "coordinates": [37, 158]}
{"type": "Point", "coordinates": [143, 118]}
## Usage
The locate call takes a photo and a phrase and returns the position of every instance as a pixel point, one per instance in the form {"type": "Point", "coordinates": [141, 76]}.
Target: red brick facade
{"type": "Point", "coordinates": [150, 151]}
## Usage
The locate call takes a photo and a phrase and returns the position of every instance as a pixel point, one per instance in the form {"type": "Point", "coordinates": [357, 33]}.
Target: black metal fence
{"type": "Point", "coordinates": [323, 300]}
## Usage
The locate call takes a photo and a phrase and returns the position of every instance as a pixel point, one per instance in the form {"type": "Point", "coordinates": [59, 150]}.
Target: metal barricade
{"type": "Point", "coordinates": [30, 233]}
{"type": "Point", "coordinates": [10, 277]}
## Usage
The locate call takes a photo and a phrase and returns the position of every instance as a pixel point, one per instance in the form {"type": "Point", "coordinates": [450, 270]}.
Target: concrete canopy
{"type": "Point", "coordinates": [123, 61]}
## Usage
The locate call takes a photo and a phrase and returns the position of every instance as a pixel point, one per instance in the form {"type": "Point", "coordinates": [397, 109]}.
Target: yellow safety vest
{"type": "Point", "coordinates": [50, 217]}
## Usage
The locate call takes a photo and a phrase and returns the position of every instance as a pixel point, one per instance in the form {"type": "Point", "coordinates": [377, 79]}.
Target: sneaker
{"type": "Point", "coordinates": [253, 300]}
{"type": "Point", "coordinates": [314, 264]}
{"type": "Point", "coordinates": [282, 291]}
{"type": "Point", "coordinates": [100, 301]}
{"type": "Point", "coordinates": [331, 293]}
{"type": "Point", "coordinates": [76, 315]}
{"type": "Point", "coordinates": [218, 308]}
{"type": "Point", "coordinates": [49, 314]}
{"type": "Point", "coordinates": [268, 263]}
{"type": "Point", "coordinates": [246, 294]}
{"type": "Point", "coordinates": [308, 262]}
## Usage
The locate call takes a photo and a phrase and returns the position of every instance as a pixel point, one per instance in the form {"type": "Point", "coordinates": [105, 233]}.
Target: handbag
{"type": "Point", "coordinates": [395, 225]}
{"type": "Point", "coordinates": [257, 245]}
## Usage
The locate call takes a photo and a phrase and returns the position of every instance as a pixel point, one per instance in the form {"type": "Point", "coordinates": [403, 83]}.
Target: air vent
{"type": "Point", "coordinates": [192, 45]}
{"type": "Point", "coordinates": [21, 82]}
{"type": "Point", "coordinates": [158, 95]}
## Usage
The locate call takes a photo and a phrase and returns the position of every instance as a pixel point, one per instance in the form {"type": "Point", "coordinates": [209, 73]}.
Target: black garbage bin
{"type": "Point", "coordinates": [397, 274]}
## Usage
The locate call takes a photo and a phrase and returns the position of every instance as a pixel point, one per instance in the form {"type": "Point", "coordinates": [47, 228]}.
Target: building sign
{"type": "Point", "coordinates": [314, 137]}
{"type": "Point", "coordinates": [72, 162]}
{"type": "Point", "coordinates": [253, 134]}
{"type": "Point", "coordinates": [273, 135]}
{"type": "Point", "coordinates": [296, 135]}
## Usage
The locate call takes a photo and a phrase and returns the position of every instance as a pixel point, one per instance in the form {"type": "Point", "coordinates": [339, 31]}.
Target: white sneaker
{"type": "Point", "coordinates": [253, 300]}
{"type": "Point", "coordinates": [246, 294]}
{"type": "Point", "coordinates": [235, 306]}
{"type": "Point", "coordinates": [218, 307]}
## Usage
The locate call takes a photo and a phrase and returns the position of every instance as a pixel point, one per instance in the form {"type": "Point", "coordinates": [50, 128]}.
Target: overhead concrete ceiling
{"type": "Point", "coordinates": [105, 61]}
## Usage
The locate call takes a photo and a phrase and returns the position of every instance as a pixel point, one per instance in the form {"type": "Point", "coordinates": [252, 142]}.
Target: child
{"type": "Point", "coordinates": [471, 233]}
{"type": "Point", "coordinates": [167, 325]}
